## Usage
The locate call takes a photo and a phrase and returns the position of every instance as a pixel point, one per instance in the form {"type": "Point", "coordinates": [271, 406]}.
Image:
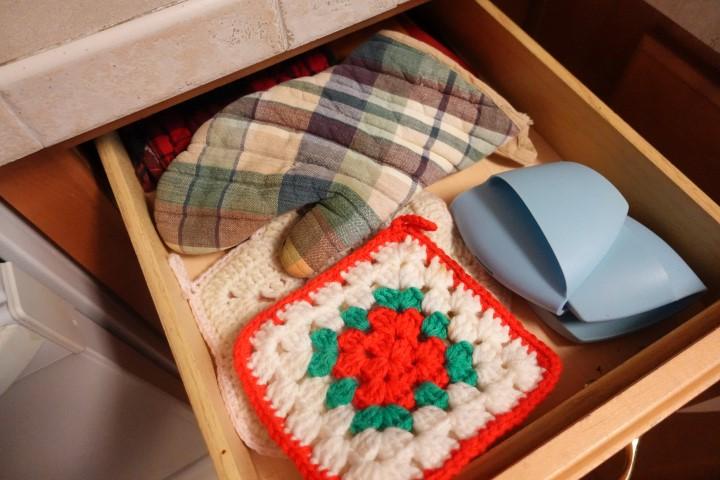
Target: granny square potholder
{"type": "Point", "coordinates": [392, 364]}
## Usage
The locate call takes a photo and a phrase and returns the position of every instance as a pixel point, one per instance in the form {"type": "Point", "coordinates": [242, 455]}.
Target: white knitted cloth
{"type": "Point", "coordinates": [249, 278]}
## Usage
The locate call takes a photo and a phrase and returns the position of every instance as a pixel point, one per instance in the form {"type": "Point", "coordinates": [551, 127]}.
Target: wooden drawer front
{"type": "Point", "coordinates": [610, 392]}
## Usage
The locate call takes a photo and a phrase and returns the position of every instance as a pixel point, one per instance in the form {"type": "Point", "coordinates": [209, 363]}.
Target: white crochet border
{"type": "Point", "coordinates": [252, 276]}
{"type": "Point", "coordinates": [506, 370]}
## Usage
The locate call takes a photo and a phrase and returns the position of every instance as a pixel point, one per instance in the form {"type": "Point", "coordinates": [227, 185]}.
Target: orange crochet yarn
{"type": "Point", "coordinates": [391, 360]}
{"type": "Point", "coordinates": [394, 363]}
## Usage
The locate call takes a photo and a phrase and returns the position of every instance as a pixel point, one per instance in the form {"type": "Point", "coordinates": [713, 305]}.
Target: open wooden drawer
{"type": "Point", "coordinates": [610, 392]}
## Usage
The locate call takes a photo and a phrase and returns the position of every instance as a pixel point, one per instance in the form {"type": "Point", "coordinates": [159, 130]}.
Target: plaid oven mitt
{"type": "Point", "coordinates": [355, 141]}
{"type": "Point", "coordinates": [392, 364]}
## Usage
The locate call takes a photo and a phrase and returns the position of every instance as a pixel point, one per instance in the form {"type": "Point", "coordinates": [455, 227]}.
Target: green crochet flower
{"type": "Point", "coordinates": [390, 360]}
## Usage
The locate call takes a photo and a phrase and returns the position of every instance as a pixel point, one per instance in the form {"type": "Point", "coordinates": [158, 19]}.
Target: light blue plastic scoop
{"type": "Point", "coordinates": [559, 235]}
{"type": "Point", "coordinates": [542, 230]}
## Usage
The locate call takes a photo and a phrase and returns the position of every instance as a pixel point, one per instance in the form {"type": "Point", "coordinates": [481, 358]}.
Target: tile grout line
{"type": "Point", "coordinates": [281, 23]}
{"type": "Point", "coordinates": [23, 124]}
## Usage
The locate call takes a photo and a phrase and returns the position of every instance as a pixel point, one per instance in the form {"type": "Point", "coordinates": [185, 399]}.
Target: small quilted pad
{"type": "Point", "coordinates": [393, 364]}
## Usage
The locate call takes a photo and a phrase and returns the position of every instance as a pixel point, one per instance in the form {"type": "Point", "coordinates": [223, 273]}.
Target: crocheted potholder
{"type": "Point", "coordinates": [249, 279]}
{"type": "Point", "coordinates": [392, 364]}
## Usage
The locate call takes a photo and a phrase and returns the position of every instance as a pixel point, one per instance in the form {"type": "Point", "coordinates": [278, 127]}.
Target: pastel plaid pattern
{"type": "Point", "coordinates": [355, 141]}
{"type": "Point", "coordinates": [154, 142]}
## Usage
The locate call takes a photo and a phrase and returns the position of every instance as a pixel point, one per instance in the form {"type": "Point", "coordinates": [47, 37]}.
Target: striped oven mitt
{"type": "Point", "coordinates": [354, 143]}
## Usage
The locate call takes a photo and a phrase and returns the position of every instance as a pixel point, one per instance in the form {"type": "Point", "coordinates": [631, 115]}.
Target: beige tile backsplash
{"type": "Point", "coordinates": [29, 26]}
{"type": "Point", "coordinates": [61, 91]}
{"type": "Point", "coordinates": [16, 139]}
{"type": "Point", "coordinates": [307, 20]}
{"type": "Point", "coordinates": [127, 74]}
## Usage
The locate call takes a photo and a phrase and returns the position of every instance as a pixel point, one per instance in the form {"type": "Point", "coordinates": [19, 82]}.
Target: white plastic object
{"type": "Point", "coordinates": [33, 306]}
{"type": "Point", "coordinates": [34, 255]}
{"type": "Point", "coordinates": [74, 402]}
{"type": "Point", "coordinates": [30, 315]}
{"type": "Point", "coordinates": [18, 347]}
